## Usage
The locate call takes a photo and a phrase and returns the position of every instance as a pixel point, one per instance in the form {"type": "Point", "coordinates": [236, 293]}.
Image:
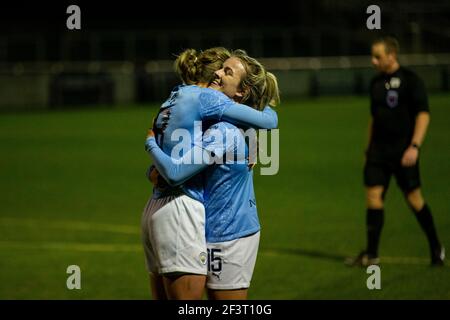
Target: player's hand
{"type": "Point", "coordinates": [154, 174]}
{"type": "Point", "coordinates": [150, 133]}
{"type": "Point", "coordinates": [251, 162]}
{"type": "Point", "coordinates": [410, 156]}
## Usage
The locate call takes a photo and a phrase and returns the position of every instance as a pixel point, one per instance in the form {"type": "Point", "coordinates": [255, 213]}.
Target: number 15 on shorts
{"type": "Point", "coordinates": [214, 261]}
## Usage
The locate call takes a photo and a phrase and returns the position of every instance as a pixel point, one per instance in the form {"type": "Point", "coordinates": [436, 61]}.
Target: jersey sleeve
{"type": "Point", "coordinates": [243, 115]}
{"type": "Point", "coordinates": [214, 105]}
{"type": "Point", "coordinates": [177, 171]}
{"type": "Point", "coordinates": [419, 98]}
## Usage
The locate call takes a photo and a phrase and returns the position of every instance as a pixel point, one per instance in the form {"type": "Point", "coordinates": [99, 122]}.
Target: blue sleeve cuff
{"type": "Point", "coordinates": [150, 143]}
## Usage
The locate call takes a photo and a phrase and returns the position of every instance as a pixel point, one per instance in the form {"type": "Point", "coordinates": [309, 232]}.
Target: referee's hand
{"type": "Point", "coordinates": [410, 156]}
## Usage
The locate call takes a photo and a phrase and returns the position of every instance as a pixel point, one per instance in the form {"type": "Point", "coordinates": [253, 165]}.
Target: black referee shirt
{"type": "Point", "coordinates": [395, 101]}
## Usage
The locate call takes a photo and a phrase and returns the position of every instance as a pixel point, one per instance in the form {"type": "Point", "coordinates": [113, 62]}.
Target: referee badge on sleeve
{"type": "Point", "coordinates": [392, 98]}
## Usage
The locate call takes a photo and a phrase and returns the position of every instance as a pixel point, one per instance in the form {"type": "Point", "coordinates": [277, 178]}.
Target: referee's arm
{"type": "Point", "coordinates": [420, 129]}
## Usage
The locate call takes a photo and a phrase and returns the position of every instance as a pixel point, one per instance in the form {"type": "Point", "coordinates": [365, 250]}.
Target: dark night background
{"type": "Point", "coordinates": [276, 29]}
{"type": "Point", "coordinates": [131, 44]}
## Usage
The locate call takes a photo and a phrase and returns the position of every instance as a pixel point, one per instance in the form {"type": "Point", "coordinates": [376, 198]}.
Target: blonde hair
{"type": "Point", "coordinates": [260, 87]}
{"type": "Point", "coordinates": [194, 67]}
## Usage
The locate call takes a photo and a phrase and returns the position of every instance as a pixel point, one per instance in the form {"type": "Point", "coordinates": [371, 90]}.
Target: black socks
{"type": "Point", "coordinates": [374, 221]}
{"type": "Point", "coordinates": [425, 220]}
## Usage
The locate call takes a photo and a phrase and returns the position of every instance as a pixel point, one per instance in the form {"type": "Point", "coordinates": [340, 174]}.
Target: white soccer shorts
{"type": "Point", "coordinates": [231, 263]}
{"type": "Point", "coordinates": [173, 235]}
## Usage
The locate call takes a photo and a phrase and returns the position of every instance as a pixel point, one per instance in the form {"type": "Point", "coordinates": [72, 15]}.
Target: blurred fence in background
{"type": "Point", "coordinates": [124, 55]}
{"type": "Point", "coordinates": [38, 85]}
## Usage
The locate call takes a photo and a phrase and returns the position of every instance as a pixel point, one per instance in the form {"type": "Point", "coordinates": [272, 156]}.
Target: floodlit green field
{"type": "Point", "coordinates": [72, 189]}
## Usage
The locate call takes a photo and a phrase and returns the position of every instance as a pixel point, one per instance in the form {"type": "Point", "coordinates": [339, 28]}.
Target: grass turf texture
{"type": "Point", "coordinates": [72, 190]}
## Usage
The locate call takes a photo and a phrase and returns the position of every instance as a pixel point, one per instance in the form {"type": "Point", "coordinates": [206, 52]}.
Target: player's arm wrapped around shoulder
{"type": "Point", "coordinates": [174, 171]}
{"type": "Point", "coordinates": [215, 105]}
{"type": "Point", "coordinates": [243, 115]}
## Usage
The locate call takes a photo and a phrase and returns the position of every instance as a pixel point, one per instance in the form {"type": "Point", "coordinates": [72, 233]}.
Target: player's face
{"type": "Point", "coordinates": [381, 60]}
{"type": "Point", "coordinates": [228, 79]}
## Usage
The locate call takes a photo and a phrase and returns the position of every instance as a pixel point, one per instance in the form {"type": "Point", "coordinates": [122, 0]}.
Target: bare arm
{"type": "Point", "coordinates": [369, 137]}
{"type": "Point", "coordinates": [411, 154]}
{"type": "Point", "coordinates": [420, 128]}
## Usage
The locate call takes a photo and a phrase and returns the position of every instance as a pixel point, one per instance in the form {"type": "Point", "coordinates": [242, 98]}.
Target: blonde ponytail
{"type": "Point", "coordinates": [271, 94]}
{"type": "Point", "coordinates": [194, 67]}
{"type": "Point", "coordinates": [186, 66]}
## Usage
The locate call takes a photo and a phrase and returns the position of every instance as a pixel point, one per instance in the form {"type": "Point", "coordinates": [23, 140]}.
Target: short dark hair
{"type": "Point", "coordinates": [390, 44]}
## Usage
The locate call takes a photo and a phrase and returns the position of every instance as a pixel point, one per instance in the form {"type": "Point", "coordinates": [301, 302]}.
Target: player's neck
{"type": "Point", "coordinates": [393, 68]}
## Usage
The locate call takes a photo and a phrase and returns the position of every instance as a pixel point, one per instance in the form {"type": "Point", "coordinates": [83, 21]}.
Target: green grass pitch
{"type": "Point", "coordinates": [72, 190]}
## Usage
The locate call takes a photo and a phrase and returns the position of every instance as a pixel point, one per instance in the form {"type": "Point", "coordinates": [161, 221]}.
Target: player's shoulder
{"type": "Point", "coordinates": [212, 101]}
{"type": "Point", "coordinates": [188, 94]}
{"type": "Point", "coordinates": [187, 89]}
{"type": "Point", "coordinates": [180, 94]}
{"type": "Point", "coordinates": [207, 94]}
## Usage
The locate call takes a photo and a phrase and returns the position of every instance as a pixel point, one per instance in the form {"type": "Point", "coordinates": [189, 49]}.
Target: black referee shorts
{"type": "Point", "coordinates": [379, 172]}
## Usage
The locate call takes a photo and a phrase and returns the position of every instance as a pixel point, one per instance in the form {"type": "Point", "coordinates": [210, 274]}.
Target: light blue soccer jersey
{"type": "Point", "coordinates": [229, 197]}
{"type": "Point", "coordinates": [185, 106]}
{"type": "Point", "coordinates": [188, 104]}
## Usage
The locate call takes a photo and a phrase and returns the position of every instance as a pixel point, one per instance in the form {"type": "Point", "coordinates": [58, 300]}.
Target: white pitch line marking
{"type": "Point", "coordinates": [70, 225]}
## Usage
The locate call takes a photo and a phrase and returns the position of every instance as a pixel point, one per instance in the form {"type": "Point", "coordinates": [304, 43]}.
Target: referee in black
{"type": "Point", "coordinates": [400, 117]}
